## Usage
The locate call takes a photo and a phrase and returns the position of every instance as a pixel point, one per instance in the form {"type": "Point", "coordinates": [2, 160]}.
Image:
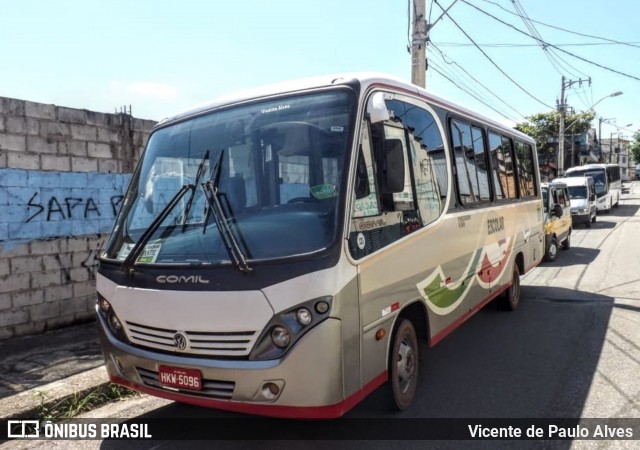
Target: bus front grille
{"type": "Point", "coordinates": [210, 388]}
{"type": "Point", "coordinates": [224, 344]}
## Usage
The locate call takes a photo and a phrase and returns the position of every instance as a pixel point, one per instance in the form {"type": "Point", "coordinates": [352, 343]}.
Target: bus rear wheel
{"type": "Point", "coordinates": [510, 300]}
{"type": "Point", "coordinates": [403, 364]}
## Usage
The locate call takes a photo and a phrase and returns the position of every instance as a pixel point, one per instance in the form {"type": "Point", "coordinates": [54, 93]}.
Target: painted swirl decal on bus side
{"type": "Point", "coordinates": [442, 297]}
{"type": "Point", "coordinates": [497, 251]}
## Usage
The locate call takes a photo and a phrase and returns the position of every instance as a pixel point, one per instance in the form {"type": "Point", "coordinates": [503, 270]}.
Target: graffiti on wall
{"type": "Point", "coordinates": [42, 205]}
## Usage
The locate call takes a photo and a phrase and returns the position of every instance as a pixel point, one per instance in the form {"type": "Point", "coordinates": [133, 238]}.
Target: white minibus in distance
{"type": "Point", "coordinates": [583, 199]}
{"type": "Point", "coordinates": [607, 182]}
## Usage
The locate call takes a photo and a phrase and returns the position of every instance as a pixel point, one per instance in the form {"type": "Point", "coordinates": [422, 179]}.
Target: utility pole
{"type": "Point", "coordinates": [419, 44]}
{"type": "Point", "coordinates": [562, 109]}
{"type": "Point", "coordinates": [610, 146]}
{"type": "Point", "coordinates": [600, 120]}
{"type": "Point", "coordinates": [419, 37]}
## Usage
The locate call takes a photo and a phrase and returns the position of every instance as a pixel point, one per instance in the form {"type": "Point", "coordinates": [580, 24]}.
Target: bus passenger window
{"type": "Point", "coordinates": [504, 181]}
{"type": "Point", "coordinates": [471, 163]}
{"type": "Point", "coordinates": [526, 170]}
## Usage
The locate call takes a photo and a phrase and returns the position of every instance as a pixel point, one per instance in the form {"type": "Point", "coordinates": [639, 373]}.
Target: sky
{"type": "Point", "coordinates": [162, 57]}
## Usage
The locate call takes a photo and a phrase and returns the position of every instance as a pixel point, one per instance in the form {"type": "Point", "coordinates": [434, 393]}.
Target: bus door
{"type": "Point", "coordinates": [387, 208]}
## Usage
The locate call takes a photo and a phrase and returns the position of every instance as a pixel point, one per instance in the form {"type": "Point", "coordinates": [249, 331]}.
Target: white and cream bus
{"type": "Point", "coordinates": [284, 252]}
{"type": "Point", "coordinates": [608, 183]}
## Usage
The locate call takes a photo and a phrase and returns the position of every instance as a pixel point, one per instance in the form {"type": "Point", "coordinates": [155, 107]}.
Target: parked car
{"type": "Point", "coordinates": [557, 220]}
{"type": "Point", "coordinates": [582, 194]}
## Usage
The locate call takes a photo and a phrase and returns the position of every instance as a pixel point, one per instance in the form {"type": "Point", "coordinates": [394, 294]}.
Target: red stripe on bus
{"type": "Point", "coordinates": [296, 412]}
{"type": "Point", "coordinates": [438, 337]}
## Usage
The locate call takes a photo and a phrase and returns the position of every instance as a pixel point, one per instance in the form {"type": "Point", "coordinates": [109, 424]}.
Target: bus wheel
{"type": "Point", "coordinates": [552, 251]}
{"type": "Point", "coordinates": [403, 365]}
{"type": "Point", "coordinates": [566, 245]}
{"type": "Point", "coordinates": [511, 298]}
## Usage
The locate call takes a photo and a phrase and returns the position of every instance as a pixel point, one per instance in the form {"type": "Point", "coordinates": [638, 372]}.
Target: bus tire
{"type": "Point", "coordinates": [552, 251]}
{"type": "Point", "coordinates": [566, 245]}
{"type": "Point", "coordinates": [510, 299]}
{"type": "Point", "coordinates": [403, 364]}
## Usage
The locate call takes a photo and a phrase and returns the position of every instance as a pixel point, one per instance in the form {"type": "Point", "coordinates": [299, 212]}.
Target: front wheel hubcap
{"type": "Point", "coordinates": [406, 366]}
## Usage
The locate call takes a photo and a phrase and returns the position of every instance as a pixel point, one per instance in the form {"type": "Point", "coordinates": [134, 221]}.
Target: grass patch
{"type": "Point", "coordinates": [76, 404]}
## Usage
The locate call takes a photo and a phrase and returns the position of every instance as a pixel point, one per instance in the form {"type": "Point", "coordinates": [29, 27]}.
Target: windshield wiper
{"type": "Point", "coordinates": [129, 261]}
{"type": "Point", "coordinates": [193, 188]}
{"type": "Point", "coordinates": [215, 209]}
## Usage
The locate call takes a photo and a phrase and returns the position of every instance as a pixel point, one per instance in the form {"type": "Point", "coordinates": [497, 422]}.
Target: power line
{"type": "Point", "coordinates": [460, 82]}
{"type": "Point", "coordinates": [491, 60]}
{"type": "Point", "coordinates": [498, 45]}
{"type": "Point", "coordinates": [468, 92]}
{"type": "Point", "coordinates": [553, 46]}
{"type": "Point", "coordinates": [452, 62]}
{"type": "Point", "coordinates": [556, 61]}
{"type": "Point", "coordinates": [613, 41]}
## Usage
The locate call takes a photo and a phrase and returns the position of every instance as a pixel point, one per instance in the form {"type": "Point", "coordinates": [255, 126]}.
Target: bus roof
{"type": "Point", "coordinates": [364, 79]}
{"type": "Point", "coordinates": [575, 181]}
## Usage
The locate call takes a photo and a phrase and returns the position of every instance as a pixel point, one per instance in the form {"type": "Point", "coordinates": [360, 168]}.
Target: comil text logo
{"type": "Point", "coordinates": [27, 429]}
{"type": "Point", "coordinates": [181, 279]}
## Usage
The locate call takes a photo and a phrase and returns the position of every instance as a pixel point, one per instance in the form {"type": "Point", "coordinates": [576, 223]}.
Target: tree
{"type": "Point", "coordinates": [634, 148]}
{"type": "Point", "coordinates": [545, 128]}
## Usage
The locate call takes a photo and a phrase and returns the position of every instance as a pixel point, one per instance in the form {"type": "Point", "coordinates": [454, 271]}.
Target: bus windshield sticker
{"type": "Point", "coordinates": [124, 251]}
{"type": "Point", "coordinates": [150, 253]}
{"type": "Point", "coordinates": [324, 191]}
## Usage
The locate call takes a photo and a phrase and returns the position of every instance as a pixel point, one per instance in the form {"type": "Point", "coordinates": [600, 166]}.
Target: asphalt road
{"type": "Point", "coordinates": [572, 349]}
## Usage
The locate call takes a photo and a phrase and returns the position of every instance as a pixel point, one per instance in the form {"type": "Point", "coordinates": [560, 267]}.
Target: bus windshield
{"type": "Point", "coordinates": [578, 192]}
{"type": "Point", "coordinates": [275, 167]}
{"type": "Point", "coordinates": [598, 175]}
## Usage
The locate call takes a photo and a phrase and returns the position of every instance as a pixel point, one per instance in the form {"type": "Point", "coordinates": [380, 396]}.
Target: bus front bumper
{"type": "Point", "coordinates": [308, 377]}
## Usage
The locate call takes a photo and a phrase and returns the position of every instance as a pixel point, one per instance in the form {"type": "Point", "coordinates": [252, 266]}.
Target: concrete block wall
{"type": "Point", "coordinates": [63, 173]}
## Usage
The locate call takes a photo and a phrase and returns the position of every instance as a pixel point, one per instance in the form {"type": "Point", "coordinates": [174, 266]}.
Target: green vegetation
{"type": "Point", "coordinates": [76, 404]}
{"type": "Point", "coordinates": [545, 127]}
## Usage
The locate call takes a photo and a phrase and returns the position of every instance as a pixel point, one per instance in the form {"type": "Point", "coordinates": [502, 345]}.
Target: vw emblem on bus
{"type": "Point", "coordinates": [180, 340]}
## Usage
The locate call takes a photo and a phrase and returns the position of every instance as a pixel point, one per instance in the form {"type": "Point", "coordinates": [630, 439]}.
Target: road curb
{"type": "Point", "coordinates": [29, 404]}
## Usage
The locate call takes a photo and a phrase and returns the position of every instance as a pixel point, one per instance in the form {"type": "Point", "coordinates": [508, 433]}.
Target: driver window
{"type": "Point", "coordinates": [379, 218]}
{"type": "Point", "coordinates": [368, 205]}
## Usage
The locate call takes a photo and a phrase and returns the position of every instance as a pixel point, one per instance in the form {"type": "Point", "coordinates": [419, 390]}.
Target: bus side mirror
{"type": "Point", "coordinates": [557, 210]}
{"type": "Point", "coordinates": [392, 167]}
{"type": "Point", "coordinates": [377, 108]}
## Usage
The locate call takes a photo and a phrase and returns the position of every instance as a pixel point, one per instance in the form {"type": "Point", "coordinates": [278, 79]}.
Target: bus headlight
{"type": "Point", "coordinates": [106, 312]}
{"type": "Point", "coordinates": [285, 328]}
{"type": "Point", "coordinates": [304, 316]}
{"type": "Point", "coordinates": [280, 336]}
